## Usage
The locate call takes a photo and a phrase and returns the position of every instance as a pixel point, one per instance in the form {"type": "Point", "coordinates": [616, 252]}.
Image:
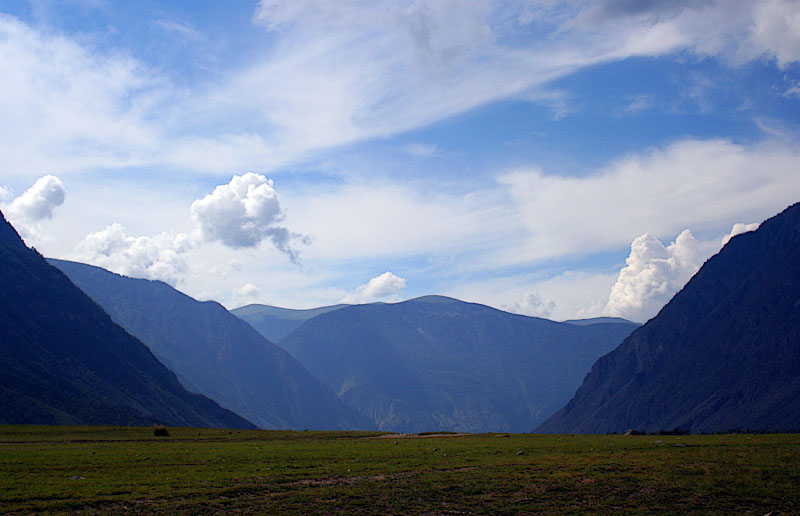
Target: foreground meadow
{"type": "Point", "coordinates": [118, 470]}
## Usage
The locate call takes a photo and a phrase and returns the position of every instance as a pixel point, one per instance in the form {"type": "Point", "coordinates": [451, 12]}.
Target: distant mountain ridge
{"type": "Point", "coordinates": [600, 320]}
{"type": "Point", "coordinates": [723, 354]}
{"type": "Point", "coordinates": [275, 323]}
{"type": "Point", "coordinates": [64, 361]}
{"type": "Point", "coordinates": [437, 363]}
{"type": "Point", "coordinates": [215, 353]}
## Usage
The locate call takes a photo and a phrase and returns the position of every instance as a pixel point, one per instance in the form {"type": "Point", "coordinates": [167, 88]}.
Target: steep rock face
{"type": "Point", "coordinates": [216, 354]}
{"type": "Point", "coordinates": [64, 361]}
{"type": "Point", "coordinates": [724, 354]}
{"type": "Point", "coordinates": [275, 323]}
{"type": "Point", "coordinates": [436, 363]}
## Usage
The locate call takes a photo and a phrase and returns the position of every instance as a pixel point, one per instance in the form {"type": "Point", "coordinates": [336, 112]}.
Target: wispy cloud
{"type": "Point", "coordinates": [377, 69]}
{"type": "Point", "coordinates": [703, 184]}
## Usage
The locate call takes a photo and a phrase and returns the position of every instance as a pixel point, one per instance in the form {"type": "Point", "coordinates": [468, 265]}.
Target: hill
{"type": "Point", "coordinates": [723, 354]}
{"type": "Point", "coordinates": [216, 354]}
{"type": "Point", "coordinates": [275, 323]}
{"type": "Point", "coordinates": [599, 320]}
{"type": "Point", "coordinates": [64, 361]}
{"type": "Point", "coordinates": [436, 363]}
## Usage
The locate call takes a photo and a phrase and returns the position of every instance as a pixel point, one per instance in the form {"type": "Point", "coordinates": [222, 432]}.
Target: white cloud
{"type": "Point", "coordinates": [161, 257]}
{"type": "Point", "coordinates": [385, 286]}
{"type": "Point", "coordinates": [5, 194]}
{"type": "Point", "coordinates": [246, 294]}
{"type": "Point", "coordinates": [242, 213]}
{"type": "Point", "coordinates": [339, 72]}
{"type": "Point", "coordinates": [421, 150]}
{"type": "Point", "coordinates": [532, 304]}
{"type": "Point", "coordinates": [652, 275]}
{"type": "Point", "coordinates": [67, 107]}
{"type": "Point", "coordinates": [239, 214]}
{"type": "Point", "coordinates": [703, 184]}
{"type": "Point", "coordinates": [38, 202]}
{"type": "Point", "coordinates": [249, 290]}
{"type": "Point", "coordinates": [737, 30]}
{"type": "Point", "coordinates": [394, 218]}
{"type": "Point", "coordinates": [738, 229]}
{"type": "Point", "coordinates": [639, 103]}
{"type": "Point", "coordinates": [34, 205]}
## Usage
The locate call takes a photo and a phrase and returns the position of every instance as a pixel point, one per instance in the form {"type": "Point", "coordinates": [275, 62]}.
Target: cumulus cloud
{"type": "Point", "coordinates": [532, 304]}
{"type": "Point", "coordinates": [652, 275]}
{"type": "Point", "coordinates": [385, 286]}
{"type": "Point", "coordinates": [738, 229]}
{"type": "Point", "coordinates": [243, 213]}
{"type": "Point", "coordinates": [38, 201]}
{"type": "Point", "coordinates": [34, 205]}
{"type": "Point", "coordinates": [240, 214]}
{"type": "Point", "coordinates": [246, 294]}
{"type": "Point", "coordinates": [161, 257]}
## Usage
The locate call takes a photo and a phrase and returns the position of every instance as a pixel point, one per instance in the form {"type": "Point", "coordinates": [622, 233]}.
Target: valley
{"type": "Point", "coordinates": [119, 470]}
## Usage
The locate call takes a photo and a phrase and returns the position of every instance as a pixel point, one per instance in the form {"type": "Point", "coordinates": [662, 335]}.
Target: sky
{"type": "Point", "coordinates": [555, 159]}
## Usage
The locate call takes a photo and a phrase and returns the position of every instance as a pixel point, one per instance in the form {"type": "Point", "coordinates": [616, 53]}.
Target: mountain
{"type": "Point", "coordinates": [275, 323]}
{"type": "Point", "coordinates": [600, 320]}
{"type": "Point", "coordinates": [436, 363]}
{"type": "Point", "coordinates": [216, 354]}
{"type": "Point", "coordinates": [723, 354]}
{"type": "Point", "coordinates": [64, 361]}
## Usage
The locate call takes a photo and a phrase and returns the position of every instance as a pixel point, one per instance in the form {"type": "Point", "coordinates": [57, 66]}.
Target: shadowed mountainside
{"type": "Point", "coordinates": [724, 354]}
{"type": "Point", "coordinates": [436, 363]}
{"type": "Point", "coordinates": [215, 353]}
{"type": "Point", "coordinates": [64, 361]}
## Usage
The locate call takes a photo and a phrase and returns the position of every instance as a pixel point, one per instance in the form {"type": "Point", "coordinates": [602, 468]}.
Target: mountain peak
{"type": "Point", "coordinates": [7, 232]}
{"type": "Point", "coordinates": [434, 299]}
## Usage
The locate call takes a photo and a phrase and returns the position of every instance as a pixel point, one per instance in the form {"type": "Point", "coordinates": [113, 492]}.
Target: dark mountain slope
{"type": "Point", "coordinates": [723, 354]}
{"type": "Point", "coordinates": [63, 360]}
{"type": "Point", "coordinates": [275, 323]}
{"type": "Point", "coordinates": [216, 354]}
{"type": "Point", "coordinates": [436, 363]}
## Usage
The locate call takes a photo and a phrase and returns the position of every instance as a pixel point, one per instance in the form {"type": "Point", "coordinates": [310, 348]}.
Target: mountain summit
{"type": "Point", "coordinates": [724, 354]}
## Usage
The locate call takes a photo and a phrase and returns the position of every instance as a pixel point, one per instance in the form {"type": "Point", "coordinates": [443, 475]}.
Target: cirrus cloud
{"type": "Point", "coordinates": [703, 184]}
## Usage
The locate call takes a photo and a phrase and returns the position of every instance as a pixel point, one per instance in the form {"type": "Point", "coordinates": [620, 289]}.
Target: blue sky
{"type": "Point", "coordinates": [544, 157]}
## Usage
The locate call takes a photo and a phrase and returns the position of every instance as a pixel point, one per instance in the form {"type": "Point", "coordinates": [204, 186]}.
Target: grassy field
{"type": "Point", "coordinates": [118, 470]}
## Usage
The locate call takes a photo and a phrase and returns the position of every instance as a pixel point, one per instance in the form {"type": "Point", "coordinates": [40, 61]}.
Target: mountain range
{"type": "Point", "coordinates": [436, 363]}
{"type": "Point", "coordinates": [275, 323]}
{"type": "Point", "coordinates": [64, 361]}
{"type": "Point", "coordinates": [215, 353]}
{"type": "Point", "coordinates": [723, 354]}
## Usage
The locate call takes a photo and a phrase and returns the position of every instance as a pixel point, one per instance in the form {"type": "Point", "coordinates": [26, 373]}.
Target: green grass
{"type": "Point", "coordinates": [220, 471]}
